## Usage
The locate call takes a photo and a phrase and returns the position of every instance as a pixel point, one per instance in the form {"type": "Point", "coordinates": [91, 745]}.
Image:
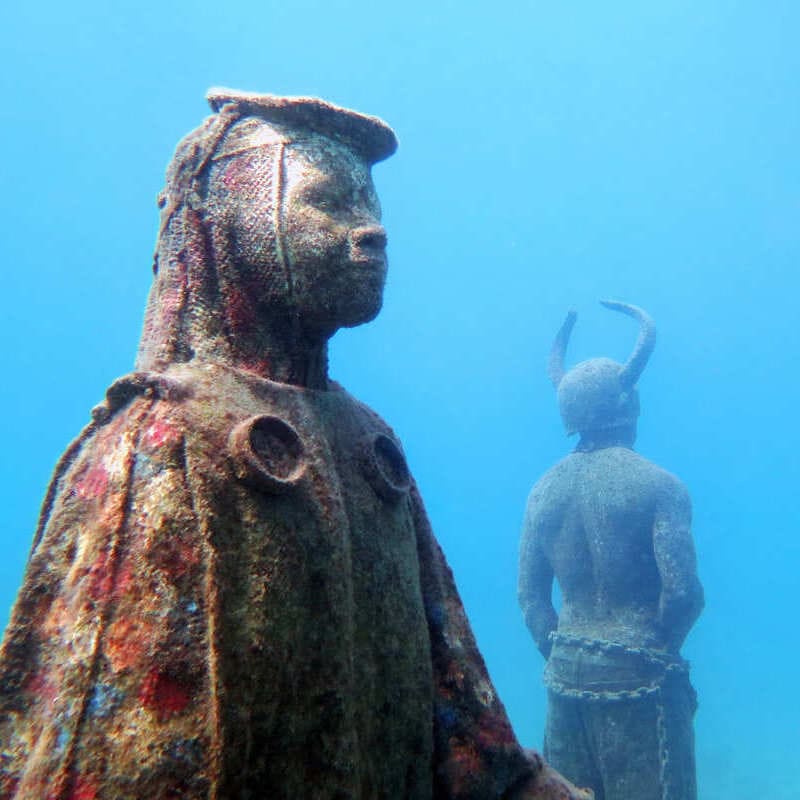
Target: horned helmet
{"type": "Point", "coordinates": [600, 394]}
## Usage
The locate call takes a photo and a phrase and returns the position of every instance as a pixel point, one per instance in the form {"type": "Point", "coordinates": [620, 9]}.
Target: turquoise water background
{"type": "Point", "coordinates": [552, 154]}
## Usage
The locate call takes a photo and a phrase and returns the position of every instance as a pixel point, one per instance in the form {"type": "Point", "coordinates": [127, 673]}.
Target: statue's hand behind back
{"type": "Point", "coordinates": [547, 784]}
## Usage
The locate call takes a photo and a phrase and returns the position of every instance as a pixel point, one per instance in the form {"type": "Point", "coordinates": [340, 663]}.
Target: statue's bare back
{"type": "Point", "coordinates": [610, 525]}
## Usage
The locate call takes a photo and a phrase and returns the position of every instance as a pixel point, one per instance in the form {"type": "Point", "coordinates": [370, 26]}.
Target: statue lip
{"type": "Point", "coordinates": [371, 261]}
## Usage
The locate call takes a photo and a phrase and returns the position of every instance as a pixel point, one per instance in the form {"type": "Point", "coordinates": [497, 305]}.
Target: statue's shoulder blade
{"type": "Point", "coordinates": [558, 479]}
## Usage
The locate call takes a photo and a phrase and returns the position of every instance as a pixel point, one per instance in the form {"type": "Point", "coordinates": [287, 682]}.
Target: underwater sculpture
{"type": "Point", "coordinates": [614, 530]}
{"type": "Point", "coordinates": [234, 591]}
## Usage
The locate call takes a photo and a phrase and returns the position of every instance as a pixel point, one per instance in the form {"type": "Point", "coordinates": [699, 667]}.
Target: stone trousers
{"type": "Point", "coordinates": [620, 720]}
{"type": "Point", "coordinates": [626, 749]}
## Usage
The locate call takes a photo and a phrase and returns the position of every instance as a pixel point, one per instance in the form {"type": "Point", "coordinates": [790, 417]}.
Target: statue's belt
{"type": "Point", "coordinates": [596, 669]}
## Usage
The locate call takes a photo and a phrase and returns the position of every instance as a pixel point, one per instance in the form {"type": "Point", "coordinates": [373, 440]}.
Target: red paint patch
{"type": "Point", "coordinates": [175, 556]}
{"type": "Point", "coordinates": [82, 788]}
{"type": "Point", "coordinates": [94, 483]}
{"type": "Point", "coordinates": [163, 694]}
{"type": "Point", "coordinates": [234, 171]}
{"type": "Point", "coordinates": [43, 688]}
{"type": "Point", "coordinates": [99, 577]}
{"type": "Point", "coordinates": [161, 433]}
{"type": "Point", "coordinates": [59, 619]}
{"type": "Point", "coordinates": [124, 581]}
{"type": "Point", "coordinates": [241, 311]}
{"type": "Point", "coordinates": [128, 641]}
{"type": "Point", "coordinates": [8, 785]}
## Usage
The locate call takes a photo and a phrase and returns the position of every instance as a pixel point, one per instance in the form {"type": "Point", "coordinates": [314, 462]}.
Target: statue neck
{"type": "Point", "coordinates": [278, 348]}
{"type": "Point", "coordinates": [283, 353]}
{"type": "Point", "coordinates": [590, 441]}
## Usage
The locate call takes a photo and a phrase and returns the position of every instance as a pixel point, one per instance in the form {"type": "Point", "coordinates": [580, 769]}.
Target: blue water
{"type": "Point", "coordinates": [551, 154]}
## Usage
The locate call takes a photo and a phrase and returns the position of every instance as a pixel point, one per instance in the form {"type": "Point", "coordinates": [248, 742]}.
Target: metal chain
{"type": "Point", "coordinates": [663, 749]}
{"type": "Point", "coordinates": [666, 661]}
{"type": "Point", "coordinates": [669, 664]}
{"type": "Point", "coordinates": [605, 645]}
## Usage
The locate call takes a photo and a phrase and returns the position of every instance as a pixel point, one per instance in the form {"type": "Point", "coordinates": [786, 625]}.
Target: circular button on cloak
{"type": "Point", "coordinates": [385, 467]}
{"type": "Point", "coordinates": [267, 453]}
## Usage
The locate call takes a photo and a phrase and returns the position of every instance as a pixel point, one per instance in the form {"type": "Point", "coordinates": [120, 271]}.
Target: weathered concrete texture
{"type": "Point", "coordinates": [234, 591]}
{"type": "Point", "coordinates": [615, 531]}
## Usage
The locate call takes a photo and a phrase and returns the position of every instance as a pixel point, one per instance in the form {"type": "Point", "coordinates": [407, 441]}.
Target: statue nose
{"type": "Point", "coordinates": [368, 241]}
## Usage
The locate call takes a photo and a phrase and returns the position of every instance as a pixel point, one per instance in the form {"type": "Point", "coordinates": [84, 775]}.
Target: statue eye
{"type": "Point", "coordinates": [322, 198]}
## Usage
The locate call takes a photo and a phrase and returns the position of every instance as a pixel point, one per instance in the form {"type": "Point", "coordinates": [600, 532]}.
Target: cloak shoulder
{"type": "Point", "coordinates": [106, 639]}
{"type": "Point", "coordinates": [164, 616]}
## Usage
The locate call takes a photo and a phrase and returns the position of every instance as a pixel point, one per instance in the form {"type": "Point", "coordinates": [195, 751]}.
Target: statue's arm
{"type": "Point", "coordinates": [681, 599]}
{"type": "Point", "coordinates": [535, 586]}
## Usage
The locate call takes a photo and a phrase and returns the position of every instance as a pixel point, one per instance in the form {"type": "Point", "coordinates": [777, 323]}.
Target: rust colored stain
{"type": "Point", "coordinates": [164, 695]}
{"type": "Point", "coordinates": [129, 639]}
{"type": "Point", "coordinates": [241, 311]}
{"type": "Point", "coordinates": [41, 686]}
{"type": "Point", "coordinates": [465, 764]}
{"type": "Point", "coordinates": [125, 581]}
{"type": "Point", "coordinates": [176, 557]}
{"type": "Point", "coordinates": [494, 729]}
{"type": "Point", "coordinates": [83, 788]}
{"type": "Point", "coordinates": [161, 433]}
{"type": "Point", "coordinates": [8, 786]}
{"type": "Point", "coordinates": [100, 577]}
{"type": "Point", "coordinates": [94, 484]}
{"type": "Point", "coordinates": [235, 171]}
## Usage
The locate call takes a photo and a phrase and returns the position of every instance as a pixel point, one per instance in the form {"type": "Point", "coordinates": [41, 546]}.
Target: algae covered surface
{"type": "Point", "coordinates": [549, 157]}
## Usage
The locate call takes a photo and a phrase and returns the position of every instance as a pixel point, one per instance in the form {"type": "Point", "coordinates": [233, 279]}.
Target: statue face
{"type": "Point", "coordinates": [328, 216]}
{"type": "Point", "coordinates": [335, 245]}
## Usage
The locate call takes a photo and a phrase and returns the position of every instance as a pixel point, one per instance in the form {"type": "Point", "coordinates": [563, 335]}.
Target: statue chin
{"type": "Point", "coordinates": [363, 305]}
{"type": "Point", "coordinates": [357, 318]}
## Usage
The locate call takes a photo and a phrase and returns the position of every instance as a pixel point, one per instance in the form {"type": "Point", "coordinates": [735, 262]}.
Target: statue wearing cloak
{"type": "Point", "coordinates": [234, 591]}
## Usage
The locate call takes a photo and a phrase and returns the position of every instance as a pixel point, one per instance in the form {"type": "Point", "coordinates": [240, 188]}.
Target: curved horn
{"type": "Point", "coordinates": [644, 344]}
{"type": "Point", "coordinates": [555, 366]}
